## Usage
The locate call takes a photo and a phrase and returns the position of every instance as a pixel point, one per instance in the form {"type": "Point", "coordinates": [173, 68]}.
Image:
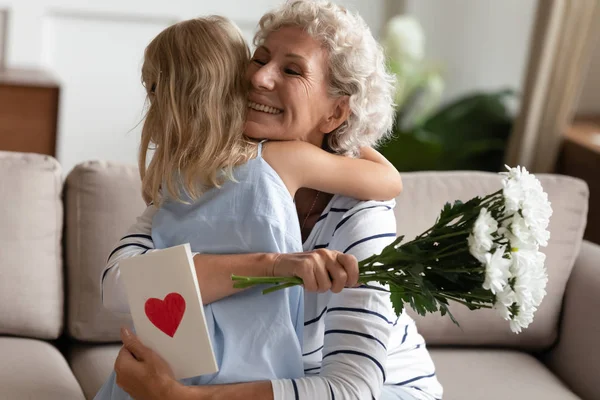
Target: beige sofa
{"type": "Point", "coordinates": [57, 342]}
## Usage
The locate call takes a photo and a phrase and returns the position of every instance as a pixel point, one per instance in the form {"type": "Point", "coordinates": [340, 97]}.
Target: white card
{"type": "Point", "coordinates": [166, 308]}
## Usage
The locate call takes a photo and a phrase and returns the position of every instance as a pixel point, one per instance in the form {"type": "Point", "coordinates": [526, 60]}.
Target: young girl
{"type": "Point", "coordinates": [225, 193]}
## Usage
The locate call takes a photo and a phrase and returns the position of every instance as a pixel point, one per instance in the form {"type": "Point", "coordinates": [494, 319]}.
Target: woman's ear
{"type": "Point", "coordinates": [339, 114]}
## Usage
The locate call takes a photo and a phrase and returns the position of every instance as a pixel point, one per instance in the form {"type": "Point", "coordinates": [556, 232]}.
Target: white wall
{"type": "Point", "coordinates": [481, 44]}
{"type": "Point", "coordinates": [3, 27]}
{"type": "Point", "coordinates": [484, 44]}
{"type": "Point", "coordinates": [95, 49]}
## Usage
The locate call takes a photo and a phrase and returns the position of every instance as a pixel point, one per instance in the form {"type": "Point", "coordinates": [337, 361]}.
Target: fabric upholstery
{"type": "Point", "coordinates": [576, 358]}
{"type": "Point", "coordinates": [417, 208]}
{"type": "Point", "coordinates": [496, 375]}
{"type": "Point", "coordinates": [101, 201]}
{"type": "Point", "coordinates": [92, 364]}
{"type": "Point", "coordinates": [31, 221]}
{"type": "Point", "coordinates": [32, 369]}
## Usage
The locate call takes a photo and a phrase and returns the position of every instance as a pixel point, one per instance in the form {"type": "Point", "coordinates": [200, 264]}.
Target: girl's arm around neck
{"type": "Point", "coordinates": [300, 164]}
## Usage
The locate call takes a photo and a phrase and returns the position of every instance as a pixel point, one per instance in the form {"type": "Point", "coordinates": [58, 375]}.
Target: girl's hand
{"type": "Point", "coordinates": [320, 270]}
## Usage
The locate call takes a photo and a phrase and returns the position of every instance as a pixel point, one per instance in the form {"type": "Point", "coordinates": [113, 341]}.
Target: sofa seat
{"type": "Point", "coordinates": [466, 374]}
{"type": "Point", "coordinates": [481, 374]}
{"type": "Point", "coordinates": [92, 364]}
{"type": "Point", "coordinates": [33, 369]}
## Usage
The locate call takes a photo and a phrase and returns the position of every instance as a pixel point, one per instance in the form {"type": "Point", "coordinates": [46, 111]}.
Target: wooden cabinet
{"type": "Point", "coordinates": [28, 111]}
{"type": "Point", "coordinates": [580, 157]}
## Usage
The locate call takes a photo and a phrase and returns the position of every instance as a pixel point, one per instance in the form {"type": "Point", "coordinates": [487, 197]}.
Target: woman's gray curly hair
{"type": "Point", "coordinates": [357, 68]}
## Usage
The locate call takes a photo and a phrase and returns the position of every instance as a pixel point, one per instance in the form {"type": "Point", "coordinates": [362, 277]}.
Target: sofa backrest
{"type": "Point", "coordinates": [103, 200]}
{"type": "Point", "coordinates": [417, 208]}
{"type": "Point", "coordinates": [31, 221]}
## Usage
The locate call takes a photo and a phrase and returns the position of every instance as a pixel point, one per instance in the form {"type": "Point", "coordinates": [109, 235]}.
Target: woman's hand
{"type": "Point", "coordinates": [321, 270]}
{"type": "Point", "coordinates": [142, 373]}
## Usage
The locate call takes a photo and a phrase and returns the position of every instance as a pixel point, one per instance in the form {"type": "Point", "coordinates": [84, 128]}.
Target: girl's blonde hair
{"type": "Point", "coordinates": [194, 75]}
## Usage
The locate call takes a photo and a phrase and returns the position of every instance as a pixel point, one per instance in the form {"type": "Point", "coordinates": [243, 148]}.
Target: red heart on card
{"type": "Point", "coordinates": [166, 314]}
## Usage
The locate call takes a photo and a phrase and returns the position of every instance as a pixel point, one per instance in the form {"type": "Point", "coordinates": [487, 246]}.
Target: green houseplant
{"type": "Point", "coordinates": [469, 133]}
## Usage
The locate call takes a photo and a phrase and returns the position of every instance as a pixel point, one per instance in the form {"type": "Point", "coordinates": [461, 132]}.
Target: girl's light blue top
{"type": "Point", "coordinates": [254, 336]}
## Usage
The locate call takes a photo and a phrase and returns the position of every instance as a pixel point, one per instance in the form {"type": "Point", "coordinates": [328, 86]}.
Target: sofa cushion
{"type": "Point", "coordinates": [31, 215]}
{"type": "Point", "coordinates": [101, 201]}
{"type": "Point", "coordinates": [417, 208]}
{"type": "Point", "coordinates": [92, 365]}
{"type": "Point", "coordinates": [496, 375]}
{"type": "Point", "coordinates": [32, 369]}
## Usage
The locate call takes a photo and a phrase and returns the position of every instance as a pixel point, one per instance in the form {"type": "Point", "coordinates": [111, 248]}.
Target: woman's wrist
{"type": "Point", "coordinates": [182, 392]}
{"type": "Point", "coordinates": [275, 258]}
{"type": "Point", "coordinates": [173, 390]}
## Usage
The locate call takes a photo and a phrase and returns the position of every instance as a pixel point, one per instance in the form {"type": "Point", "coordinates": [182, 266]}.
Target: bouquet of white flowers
{"type": "Point", "coordinates": [483, 253]}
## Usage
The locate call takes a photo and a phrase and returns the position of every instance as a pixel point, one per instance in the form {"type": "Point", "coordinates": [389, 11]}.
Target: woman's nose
{"type": "Point", "coordinates": [263, 78]}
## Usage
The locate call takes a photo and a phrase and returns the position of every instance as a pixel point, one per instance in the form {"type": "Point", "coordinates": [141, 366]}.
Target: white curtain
{"type": "Point", "coordinates": [3, 36]}
{"type": "Point", "coordinates": [564, 34]}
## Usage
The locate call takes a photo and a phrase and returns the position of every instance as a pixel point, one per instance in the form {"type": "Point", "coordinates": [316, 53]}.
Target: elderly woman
{"type": "Point", "coordinates": [354, 346]}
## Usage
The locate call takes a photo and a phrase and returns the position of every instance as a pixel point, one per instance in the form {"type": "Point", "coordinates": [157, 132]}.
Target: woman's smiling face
{"type": "Point", "coordinates": [288, 97]}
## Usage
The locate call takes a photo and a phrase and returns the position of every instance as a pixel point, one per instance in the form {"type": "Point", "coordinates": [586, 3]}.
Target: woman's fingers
{"type": "Point", "coordinates": [323, 278]}
{"type": "Point", "coordinates": [350, 265]}
{"type": "Point", "coordinates": [123, 358]}
{"type": "Point", "coordinates": [320, 270]}
{"type": "Point", "coordinates": [133, 344]}
{"type": "Point", "coordinates": [338, 276]}
{"type": "Point", "coordinates": [306, 271]}
{"type": "Point", "coordinates": [125, 364]}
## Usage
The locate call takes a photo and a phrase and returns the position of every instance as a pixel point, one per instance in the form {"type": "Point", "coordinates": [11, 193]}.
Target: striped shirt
{"type": "Point", "coordinates": [353, 342]}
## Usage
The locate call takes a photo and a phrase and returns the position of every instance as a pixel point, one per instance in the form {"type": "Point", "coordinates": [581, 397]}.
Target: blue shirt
{"type": "Point", "coordinates": [254, 336]}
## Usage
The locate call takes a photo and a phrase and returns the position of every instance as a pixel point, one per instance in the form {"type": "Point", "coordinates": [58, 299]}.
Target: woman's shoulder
{"type": "Point", "coordinates": [346, 219]}
{"type": "Point", "coordinates": [346, 206]}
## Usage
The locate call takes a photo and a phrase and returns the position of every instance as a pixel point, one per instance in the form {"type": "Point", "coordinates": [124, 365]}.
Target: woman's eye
{"type": "Point", "coordinates": [291, 72]}
{"type": "Point", "coordinates": [259, 62]}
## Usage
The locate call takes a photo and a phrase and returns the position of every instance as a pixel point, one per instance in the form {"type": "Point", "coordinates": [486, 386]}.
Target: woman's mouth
{"type": "Point", "coordinates": [264, 108]}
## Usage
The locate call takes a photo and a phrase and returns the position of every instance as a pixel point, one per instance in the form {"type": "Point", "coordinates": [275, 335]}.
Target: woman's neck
{"type": "Point", "coordinates": [309, 206]}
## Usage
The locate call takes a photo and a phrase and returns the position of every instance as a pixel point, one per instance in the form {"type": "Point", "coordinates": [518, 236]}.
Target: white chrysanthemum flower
{"type": "Point", "coordinates": [524, 195]}
{"type": "Point", "coordinates": [518, 184]}
{"type": "Point", "coordinates": [518, 233]}
{"type": "Point", "coordinates": [528, 283]}
{"type": "Point", "coordinates": [496, 270]}
{"type": "Point", "coordinates": [538, 278]}
{"type": "Point", "coordinates": [481, 240]}
{"type": "Point", "coordinates": [523, 318]}
{"type": "Point", "coordinates": [521, 269]}
{"type": "Point", "coordinates": [513, 189]}
{"type": "Point", "coordinates": [504, 300]}
{"type": "Point", "coordinates": [536, 211]}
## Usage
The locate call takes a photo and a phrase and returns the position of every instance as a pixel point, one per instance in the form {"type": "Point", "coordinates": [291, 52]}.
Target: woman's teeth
{"type": "Point", "coordinates": [263, 108]}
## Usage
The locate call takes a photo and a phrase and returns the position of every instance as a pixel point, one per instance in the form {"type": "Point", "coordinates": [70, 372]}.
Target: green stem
{"type": "Point", "coordinates": [438, 238]}
{"type": "Point", "coordinates": [466, 296]}
{"type": "Point", "coordinates": [489, 197]}
{"type": "Point", "coordinates": [280, 287]}
{"type": "Point", "coordinates": [453, 253]}
{"type": "Point", "coordinates": [451, 247]}
{"type": "Point", "coordinates": [504, 219]}
{"type": "Point", "coordinates": [466, 303]}
{"type": "Point", "coordinates": [265, 279]}
{"type": "Point", "coordinates": [458, 271]}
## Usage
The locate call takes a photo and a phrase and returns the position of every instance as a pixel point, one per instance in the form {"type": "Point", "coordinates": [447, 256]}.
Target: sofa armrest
{"type": "Point", "coordinates": [576, 356]}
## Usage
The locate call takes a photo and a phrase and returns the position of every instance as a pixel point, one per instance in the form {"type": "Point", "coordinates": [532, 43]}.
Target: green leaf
{"type": "Point", "coordinates": [469, 133]}
{"type": "Point", "coordinates": [397, 296]}
{"type": "Point", "coordinates": [445, 310]}
{"type": "Point", "coordinates": [408, 152]}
